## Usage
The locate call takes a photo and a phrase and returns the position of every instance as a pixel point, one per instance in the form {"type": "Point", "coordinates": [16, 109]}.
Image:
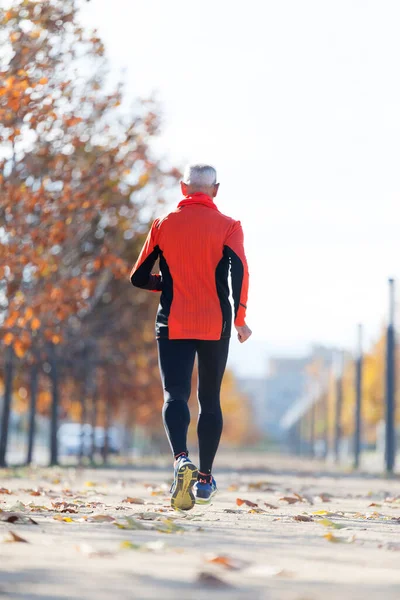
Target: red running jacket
{"type": "Point", "coordinates": [196, 246]}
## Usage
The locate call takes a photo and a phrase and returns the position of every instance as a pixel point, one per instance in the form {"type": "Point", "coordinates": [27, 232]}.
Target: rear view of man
{"type": "Point", "coordinates": [197, 246]}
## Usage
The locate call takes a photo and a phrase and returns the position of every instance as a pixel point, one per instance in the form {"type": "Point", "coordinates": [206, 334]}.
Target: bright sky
{"type": "Point", "coordinates": [297, 105]}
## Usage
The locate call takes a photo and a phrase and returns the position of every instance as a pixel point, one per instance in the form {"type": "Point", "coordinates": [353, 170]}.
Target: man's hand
{"type": "Point", "coordinates": [244, 333]}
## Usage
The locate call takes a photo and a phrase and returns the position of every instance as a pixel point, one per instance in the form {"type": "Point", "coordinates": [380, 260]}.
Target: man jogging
{"type": "Point", "coordinates": [196, 246]}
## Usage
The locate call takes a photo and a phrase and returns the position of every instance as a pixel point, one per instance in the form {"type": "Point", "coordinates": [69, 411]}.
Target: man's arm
{"type": "Point", "coordinates": [240, 278]}
{"type": "Point", "coordinates": [141, 275]}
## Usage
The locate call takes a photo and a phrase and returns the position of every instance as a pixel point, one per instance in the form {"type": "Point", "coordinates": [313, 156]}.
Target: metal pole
{"type": "Point", "coordinates": [357, 427]}
{"type": "Point", "coordinates": [312, 430]}
{"type": "Point", "coordinates": [325, 401]}
{"type": "Point", "coordinates": [390, 443]}
{"type": "Point", "coordinates": [338, 407]}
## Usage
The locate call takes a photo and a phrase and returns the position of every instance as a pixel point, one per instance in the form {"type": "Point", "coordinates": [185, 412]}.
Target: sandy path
{"type": "Point", "coordinates": [270, 554]}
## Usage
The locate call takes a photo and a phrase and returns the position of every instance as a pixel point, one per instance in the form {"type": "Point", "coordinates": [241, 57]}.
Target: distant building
{"type": "Point", "coordinates": [283, 386]}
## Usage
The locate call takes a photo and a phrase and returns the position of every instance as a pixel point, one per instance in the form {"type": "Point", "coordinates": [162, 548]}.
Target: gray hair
{"type": "Point", "coordinates": [200, 175]}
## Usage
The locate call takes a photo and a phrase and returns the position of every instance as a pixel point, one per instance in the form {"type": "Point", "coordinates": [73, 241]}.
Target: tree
{"type": "Point", "coordinates": [72, 167]}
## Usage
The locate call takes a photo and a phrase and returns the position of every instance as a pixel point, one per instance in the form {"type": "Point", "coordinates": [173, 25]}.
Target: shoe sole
{"type": "Point", "coordinates": [204, 501]}
{"type": "Point", "coordinates": [182, 497]}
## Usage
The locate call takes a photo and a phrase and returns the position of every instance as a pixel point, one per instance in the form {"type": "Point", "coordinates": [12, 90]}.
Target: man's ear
{"type": "Point", "coordinates": [216, 188]}
{"type": "Point", "coordinates": [184, 188]}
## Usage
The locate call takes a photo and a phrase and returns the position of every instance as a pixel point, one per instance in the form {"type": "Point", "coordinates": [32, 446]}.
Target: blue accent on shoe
{"type": "Point", "coordinates": [204, 492]}
{"type": "Point", "coordinates": [185, 476]}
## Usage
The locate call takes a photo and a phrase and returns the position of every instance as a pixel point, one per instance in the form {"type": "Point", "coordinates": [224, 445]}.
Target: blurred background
{"type": "Point", "coordinates": [101, 106]}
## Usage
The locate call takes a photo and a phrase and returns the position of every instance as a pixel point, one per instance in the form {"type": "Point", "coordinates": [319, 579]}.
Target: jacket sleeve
{"type": "Point", "coordinates": [141, 275]}
{"type": "Point", "coordinates": [239, 271]}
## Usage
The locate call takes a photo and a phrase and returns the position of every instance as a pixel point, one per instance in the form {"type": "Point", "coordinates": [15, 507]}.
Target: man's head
{"type": "Point", "coordinates": [200, 178]}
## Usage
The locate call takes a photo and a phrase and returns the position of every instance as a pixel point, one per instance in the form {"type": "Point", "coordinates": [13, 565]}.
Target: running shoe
{"type": "Point", "coordinates": [182, 489]}
{"type": "Point", "coordinates": [204, 491]}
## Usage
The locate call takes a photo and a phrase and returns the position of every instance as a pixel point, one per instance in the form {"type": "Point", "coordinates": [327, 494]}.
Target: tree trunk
{"type": "Point", "coordinates": [107, 425]}
{"type": "Point", "coordinates": [83, 389]}
{"type": "Point", "coordinates": [54, 406]}
{"type": "Point", "coordinates": [8, 376]}
{"type": "Point", "coordinates": [32, 411]}
{"type": "Point", "coordinates": [94, 423]}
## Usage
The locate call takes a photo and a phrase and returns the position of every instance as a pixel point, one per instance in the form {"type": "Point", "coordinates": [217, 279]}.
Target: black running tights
{"type": "Point", "coordinates": [176, 358]}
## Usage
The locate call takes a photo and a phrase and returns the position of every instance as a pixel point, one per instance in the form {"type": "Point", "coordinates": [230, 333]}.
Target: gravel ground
{"type": "Point", "coordinates": [311, 535]}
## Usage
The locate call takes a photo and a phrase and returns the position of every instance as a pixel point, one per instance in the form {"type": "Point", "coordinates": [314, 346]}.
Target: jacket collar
{"type": "Point", "coordinates": [198, 198]}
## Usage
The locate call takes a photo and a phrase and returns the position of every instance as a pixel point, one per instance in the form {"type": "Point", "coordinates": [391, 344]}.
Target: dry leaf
{"type": "Point", "coordinates": [134, 500]}
{"type": "Point", "coordinates": [289, 499]}
{"type": "Point", "coordinates": [65, 507]}
{"type": "Point", "coordinates": [90, 483]}
{"type": "Point", "coordinates": [256, 511]}
{"type": "Point", "coordinates": [210, 580]}
{"type": "Point", "coordinates": [233, 511]}
{"type": "Point", "coordinates": [168, 526]}
{"type": "Point", "coordinates": [332, 538]}
{"type": "Point", "coordinates": [374, 504]}
{"type": "Point", "coordinates": [14, 537]}
{"type": "Point", "coordinates": [5, 491]}
{"type": "Point", "coordinates": [240, 501]}
{"type": "Point", "coordinates": [130, 523]}
{"type": "Point", "coordinates": [12, 517]}
{"type": "Point", "coordinates": [126, 545]}
{"type": "Point", "coordinates": [100, 519]}
{"type": "Point", "coordinates": [65, 519]}
{"type": "Point", "coordinates": [233, 488]}
{"type": "Point", "coordinates": [303, 518]}
{"type": "Point", "coordinates": [226, 561]}
{"type": "Point", "coordinates": [324, 497]}
{"type": "Point", "coordinates": [271, 506]}
{"type": "Point", "coordinates": [328, 523]}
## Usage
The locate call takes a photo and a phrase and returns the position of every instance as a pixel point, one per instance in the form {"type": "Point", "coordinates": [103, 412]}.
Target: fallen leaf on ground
{"type": "Point", "coordinates": [168, 526]}
{"type": "Point", "coordinates": [271, 506]}
{"type": "Point", "coordinates": [264, 486]}
{"type": "Point", "coordinates": [5, 491]}
{"type": "Point", "coordinates": [38, 508]}
{"type": "Point", "coordinates": [14, 537]}
{"type": "Point", "coordinates": [233, 488]}
{"type": "Point", "coordinates": [65, 519]}
{"type": "Point", "coordinates": [12, 517]}
{"type": "Point", "coordinates": [321, 513]}
{"type": "Point", "coordinates": [127, 545]}
{"type": "Point", "coordinates": [100, 519]}
{"type": "Point", "coordinates": [256, 511]}
{"type": "Point", "coordinates": [233, 511]}
{"type": "Point", "coordinates": [133, 500]}
{"type": "Point", "coordinates": [65, 507]}
{"type": "Point", "coordinates": [324, 497]}
{"type": "Point", "coordinates": [374, 504]}
{"type": "Point", "coordinates": [130, 523]}
{"type": "Point", "coordinates": [157, 493]}
{"type": "Point", "coordinates": [289, 499]}
{"type": "Point", "coordinates": [225, 561]}
{"type": "Point", "coordinates": [332, 538]}
{"type": "Point", "coordinates": [90, 483]}
{"type": "Point", "coordinates": [210, 580]}
{"type": "Point", "coordinates": [240, 501]}
{"type": "Point", "coordinates": [303, 518]}
{"type": "Point", "coordinates": [328, 523]}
